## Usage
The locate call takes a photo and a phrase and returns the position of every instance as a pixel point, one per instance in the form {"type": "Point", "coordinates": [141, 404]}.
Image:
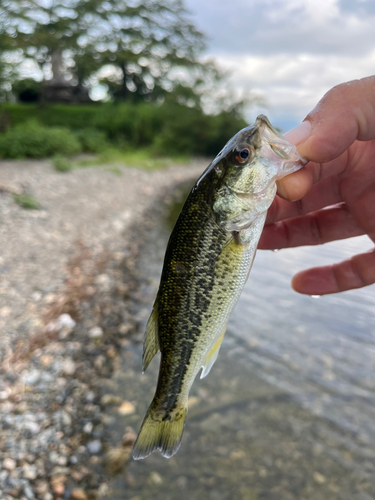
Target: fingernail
{"type": "Point", "coordinates": [299, 134]}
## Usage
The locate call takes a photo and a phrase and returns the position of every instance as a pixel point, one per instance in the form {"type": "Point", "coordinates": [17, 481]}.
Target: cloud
{"type": "Point", "coordinates": [288, 51]}
{"type": "Point", "coordinates": [286, 26]}
{"type": "Point", "coordinates": [291, 87]}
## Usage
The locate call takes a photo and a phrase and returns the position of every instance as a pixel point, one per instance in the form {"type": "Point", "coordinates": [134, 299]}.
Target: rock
{"type": "Point", "coordinates": [319, 478]}
{"type": "Point", "coordinates": [94, 447]}
{"type": "Point", "coordinates": [9, 464]}
{"type": "Point", "coordinates": [41, 487]}
{"type": "Point", "coordinates": [192, 401]}
{"type": "Point", "coordinates": [32, 377]}
{"type": "Point", "coordinates": [29, 472]}
{"type": "Point", "coordinates": [53, 457]}
{"type": "Point", "coordinates": [46, 359]}
{"type": "Point", "coordinates": [3, 395]}
{"type": "Point", "coordinates": [110, 399]}
{"type": "Point", "coordinates": [68, 367]}
{"type": "Point", "coordinates": [58, 489]}
{"type": "Point", "coordinates": [78, 494]}
{"type": "Point", "coordinates": [90, 396]}
{"type": "Point", "coordinates": [87, 428]}
{"type": "Point", "coordinates": [154, 478]}
{"type": "Point", "coordinates": [64, 326]}
{"type": "Point", "coordinates": [128, 439]}
{"type": "Point", "coordinates": [115, 460]}
{"type": "Point", "coordinates": [66, 418]}
{"type": "Point", "coordinates": [3, 476]}
{"type": "Point", "coordinates": [99, 361]}
{"type": "Point", "coordinates": [96, 332]}
{"type": "Point", "coordinates": [65, 320]}
{"type": "Point", "coordinates": [127, 408]}
{"type": "Point", "coordinates": [125, 328]}
{"type": "Point", "coordinates": [28, 492]}
{"type": "Point", "coordinates": [36, 296]}
{"type": "Point", "coordinates": [32, 427]}
{"type": "Point", "coordinates": [104, 282]}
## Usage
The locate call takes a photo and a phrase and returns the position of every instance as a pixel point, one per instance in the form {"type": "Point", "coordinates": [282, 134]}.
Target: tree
{"type": "Point", "coordinates": [142, 49]}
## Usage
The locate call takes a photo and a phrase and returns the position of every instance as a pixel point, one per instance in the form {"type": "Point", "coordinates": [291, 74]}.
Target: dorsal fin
{"type": "Point", "coordinates": [211, 357]}
{"type": "Point", "coordinates": [151, 343]}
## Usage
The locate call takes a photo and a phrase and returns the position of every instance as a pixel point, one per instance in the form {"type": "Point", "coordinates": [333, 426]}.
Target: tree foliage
{"type": "Point", "coordinates": [139, 49]}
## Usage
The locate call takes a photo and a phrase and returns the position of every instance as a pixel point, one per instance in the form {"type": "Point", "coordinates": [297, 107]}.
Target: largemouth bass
{"type": "Point", "coordinates": [207, 262]}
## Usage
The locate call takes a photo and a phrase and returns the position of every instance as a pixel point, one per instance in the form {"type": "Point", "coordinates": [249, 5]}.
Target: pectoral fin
{"type": "Point", "coordinates": [211, 357]}
{"type": "Point", "coordinates": [151, 343]}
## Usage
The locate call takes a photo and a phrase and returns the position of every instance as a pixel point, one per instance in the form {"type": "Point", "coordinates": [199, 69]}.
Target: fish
{"type": "Point", "coordinates": [207, 263]}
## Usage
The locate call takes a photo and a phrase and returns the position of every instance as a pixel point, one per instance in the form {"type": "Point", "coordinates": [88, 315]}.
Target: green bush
{"type": "Point", "coordinates": [167, 128]}
{"type": "Point", "coordinates": [26, 201]}
{"type": "Point", "coordinates": [61, 164]}
{"type": "Point", "coordinates": [189, 131]}
{"type": "Point", "coordinates": [72, 116]}
{"type": "Point", "coordinates": [33, 140]}
{"type": "Point", "coordinates": [92, 140]}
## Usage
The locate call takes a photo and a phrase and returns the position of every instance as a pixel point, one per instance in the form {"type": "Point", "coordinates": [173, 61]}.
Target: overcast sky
{"type": "Point", "coordinates": [289, 51]}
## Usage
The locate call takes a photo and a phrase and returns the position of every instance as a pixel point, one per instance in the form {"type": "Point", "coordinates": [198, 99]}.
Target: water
{"type": "Point", "coordinates": [287, 411]}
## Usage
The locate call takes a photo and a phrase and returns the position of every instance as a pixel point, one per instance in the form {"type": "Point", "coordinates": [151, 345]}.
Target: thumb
{"type": "Point", "coordinates": [346, 113]}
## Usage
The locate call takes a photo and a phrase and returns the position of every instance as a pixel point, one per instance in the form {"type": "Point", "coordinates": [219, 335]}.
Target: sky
{"type": "Point", "coordinates": [288, 52]}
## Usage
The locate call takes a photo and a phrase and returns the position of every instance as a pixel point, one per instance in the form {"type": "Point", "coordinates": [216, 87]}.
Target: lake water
{"type": "Point", "coordinates": [287, 411]}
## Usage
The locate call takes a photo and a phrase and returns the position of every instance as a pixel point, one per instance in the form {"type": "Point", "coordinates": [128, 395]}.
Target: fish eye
{"type": "Point", "coordinates": [243, 155]}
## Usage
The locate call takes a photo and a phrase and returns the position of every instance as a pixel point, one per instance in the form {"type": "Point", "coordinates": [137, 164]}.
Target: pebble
{"type": "Point", "coordinates": [28, 492]}
{"type": "Point", "coordinates": [65, 320]}
{"type": "Point", "coordinates": [78, 494]}
{"type": "Point", "coordinates": [68, 367]}
{"type": "Point", "coordinates": [87, 428]}
{"type": "Point", "coordinates": [32, 377]}
{"type": "Point", "coordinates": [94, 447]}
{"type": "Point", "coordinates": [3, 476]}
{"type": "Point", "coordinates": [110, 399]}
{"type": "Point", "coordinates": [9, 464]}
{"type": "Point", "coordinates": [319, 478]}
{"type": "Point", "coordinates": [32, 427]}
{"type": "Point", "coordinates": [90, 396]}
{"type": "Point", "coordinates": [58, 489]}
{"type": "Point", "coordinates": [41, 487]}
{"type": "Point", "coordinates": [127, 408]}
{"type": "Point", "coordinates": [29, 472]}
{"type": "Point", "coordinates": [66, 418]}
{"type": "Point", "coordinates": [96, 332]}
{"type": "Point", "coordinates": [155, 478]}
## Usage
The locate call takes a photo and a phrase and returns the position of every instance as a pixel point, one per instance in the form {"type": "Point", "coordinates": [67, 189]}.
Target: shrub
{"type": "Point", "coordinates": [92, 140]}
{"type": "Point", "coordinates": [26, 201]}
{"type": "Point", "coordinates": [169, 128]}
{"type": "Point", "coordinates": [61, 164]}
{"type": "Point", "coordinates": [33, 140]}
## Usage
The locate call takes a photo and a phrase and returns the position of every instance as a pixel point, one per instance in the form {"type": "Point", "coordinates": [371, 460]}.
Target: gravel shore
{"type": "Point", "coordinates": [68, 284]}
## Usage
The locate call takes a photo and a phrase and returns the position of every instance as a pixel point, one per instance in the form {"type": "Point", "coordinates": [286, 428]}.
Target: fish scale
{"type": "Point", "coordinates": [207, 262]}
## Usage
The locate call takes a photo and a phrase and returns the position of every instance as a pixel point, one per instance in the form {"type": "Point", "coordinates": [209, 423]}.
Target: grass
{"type": "Point", "coordinates": [141, 158]}
{"type": "Point", "coordinates": [26, 201]}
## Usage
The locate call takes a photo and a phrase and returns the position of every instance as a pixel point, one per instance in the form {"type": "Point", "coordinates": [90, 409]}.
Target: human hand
{"type": "Point", "coordinates": [335, 191]}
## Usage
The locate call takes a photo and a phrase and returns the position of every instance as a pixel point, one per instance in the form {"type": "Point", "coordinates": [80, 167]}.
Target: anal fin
{"type": "Point", "coordinates": [211, 357]}
{"type": "Point", "coordinates": [151, 343]}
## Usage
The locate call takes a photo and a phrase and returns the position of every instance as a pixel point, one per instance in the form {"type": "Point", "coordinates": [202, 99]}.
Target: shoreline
{"type": "Point", "coordinates": [55, 377]}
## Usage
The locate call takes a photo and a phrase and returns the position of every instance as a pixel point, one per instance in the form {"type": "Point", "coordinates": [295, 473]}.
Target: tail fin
{"type": "Point", "coordinates": [160, 432]}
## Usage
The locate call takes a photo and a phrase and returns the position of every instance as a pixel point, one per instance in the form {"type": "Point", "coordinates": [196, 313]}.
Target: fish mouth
{"type": "Point", "coordinates": [278, 150]}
